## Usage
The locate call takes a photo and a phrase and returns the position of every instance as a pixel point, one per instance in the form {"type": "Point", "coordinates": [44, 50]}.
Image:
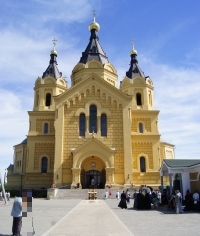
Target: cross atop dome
{"type": "Point", "coordinates": [133, 51]}
{"type": "Point", "coordinates": [54, 43]}
{"type": "Point", "coordinates": [54, 47]}
{"type": "Point", "coordinates": [94, 24]}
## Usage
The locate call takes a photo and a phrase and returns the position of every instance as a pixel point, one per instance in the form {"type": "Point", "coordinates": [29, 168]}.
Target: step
{"type": "Point", "coordinates": [83, 193]}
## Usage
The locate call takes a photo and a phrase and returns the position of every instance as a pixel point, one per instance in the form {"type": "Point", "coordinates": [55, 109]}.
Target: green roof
{"type": "Point", "coordinates": [175, 163]}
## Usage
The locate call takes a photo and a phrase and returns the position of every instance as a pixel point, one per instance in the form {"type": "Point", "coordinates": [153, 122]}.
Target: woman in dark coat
{"type": "Point", "coordinates": [140, 200]}
{"type": "Point", "coordinates": [122, 202]}
{"type": "Point", "coordinates": [147, 201]}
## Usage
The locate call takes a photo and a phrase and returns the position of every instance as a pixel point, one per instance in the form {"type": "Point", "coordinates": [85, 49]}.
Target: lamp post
{"type": "Point", "coordinates": [4, 194]}
{"type": "Point", "coordinates": [5, 176]}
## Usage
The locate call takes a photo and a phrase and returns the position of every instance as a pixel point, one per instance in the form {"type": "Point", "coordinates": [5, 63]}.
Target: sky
{"type": "Point", "coordinates": [166, 35]}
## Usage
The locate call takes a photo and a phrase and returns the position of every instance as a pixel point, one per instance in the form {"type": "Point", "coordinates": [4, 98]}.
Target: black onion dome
{"type": "Point", "coordinates": [134, 69]}
{"type": "Point", "coordinates": [52, 69]}
{"type": "Point", "coordinates": [94, 51]}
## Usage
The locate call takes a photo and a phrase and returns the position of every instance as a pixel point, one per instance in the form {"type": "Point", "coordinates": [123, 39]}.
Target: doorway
{"type": "Point", "coordinates": [93, 174]}
{"type": "Point", "coordinates": [93, 179]}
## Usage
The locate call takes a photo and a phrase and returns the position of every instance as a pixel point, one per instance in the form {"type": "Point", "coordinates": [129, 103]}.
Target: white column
{"type": "Point", "coordinates": [170, 183]}
{"type": "Point", "coordinates": [185, 177]}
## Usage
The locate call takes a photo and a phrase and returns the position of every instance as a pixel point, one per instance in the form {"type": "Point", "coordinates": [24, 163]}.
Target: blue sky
{"type": "Point", "coordinates": [167, 38]}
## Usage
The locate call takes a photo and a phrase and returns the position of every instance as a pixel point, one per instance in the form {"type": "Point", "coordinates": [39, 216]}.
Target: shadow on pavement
{"type": "Point", "coordinates": [5, 234]}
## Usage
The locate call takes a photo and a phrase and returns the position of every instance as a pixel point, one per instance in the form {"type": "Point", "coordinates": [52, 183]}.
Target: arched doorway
{"type": "Point", "coordinates": [93, 173]}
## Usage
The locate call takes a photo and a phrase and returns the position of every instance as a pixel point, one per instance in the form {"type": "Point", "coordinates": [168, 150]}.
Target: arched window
{"type": "Point", "coordinates": [138, 99]}
{"type": "Point", "coordinates": [44, 165]}
{"type": "Point", "coordinates": [48, 100]}
{"type": "Point", "coordinates": [46, 128]}
{"type": "Point", "coordinates": [103, 125]}
{"type": "Point", "coordinates": [141, 128]}
{"type": "Point", "coordinates": [82, 125]}
{"type": "Point", "coordinates": [142, 164]}
{"type": "Point", "coordinates": [93, 119]}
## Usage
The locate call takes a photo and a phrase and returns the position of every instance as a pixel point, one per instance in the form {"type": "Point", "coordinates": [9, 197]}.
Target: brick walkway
{"type": "Point", "coordinates": [90, 218]}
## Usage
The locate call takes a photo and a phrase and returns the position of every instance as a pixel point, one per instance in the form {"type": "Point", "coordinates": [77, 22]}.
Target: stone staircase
{"type": "Point", "coordinates": [83, 193]}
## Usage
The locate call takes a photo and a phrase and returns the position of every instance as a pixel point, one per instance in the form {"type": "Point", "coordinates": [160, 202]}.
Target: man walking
{"type": "Point", "coordinates": [196, 200]}
{"type": "Point", "coordinates": [17, 216]}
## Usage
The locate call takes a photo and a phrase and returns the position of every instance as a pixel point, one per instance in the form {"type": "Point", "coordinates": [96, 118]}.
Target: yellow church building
{"type": "Point", "coordinates": [92, 133]}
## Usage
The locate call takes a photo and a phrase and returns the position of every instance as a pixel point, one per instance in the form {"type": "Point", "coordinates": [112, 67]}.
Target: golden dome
{"type": "Point", "coordinates": [94, 25]}
{"type": "Point", "coordinates": [54, 52]}
{"type": "Point", "coordinates": [133, 52]}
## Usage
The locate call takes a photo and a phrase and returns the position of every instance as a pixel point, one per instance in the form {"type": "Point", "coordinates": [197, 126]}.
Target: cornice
{"type": "Point", "coordinates": [42, 113]}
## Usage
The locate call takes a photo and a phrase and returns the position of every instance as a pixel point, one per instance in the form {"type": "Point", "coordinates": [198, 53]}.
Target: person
{"type": "Point", "coordinates": [172, 200]}
{"type": "Point", "coordinates": [106, 194]}
{"type": "Point", "coordinates": [188, 200]}
{"type": "Point", "coordinates": [117, 195]}
{"type": "Point", "coordinates": [196, 200]}
{"type": "Point", "coordinates": [1, 196]}
{"type": "Point", "coordinates": [140, 200]}
{"type": "Point", "coordinates": [178, 199]}
{"type": "Point", "coordinates": [8, 196]}
{"type": "Point", "coordinates": [159, 197]}
{"type": "Point", "coordinates": [164, 199]}
{"type": "Point", "coordinates": [110, 192]}
{"type": "Point", "coordinates": [135, 199]}
{"type": "Point", "coordinates": [147, 200]}
{"type": "Point", "coordinates": [154, 200]}
{"type": "Point", "coordinates": [122, 202]}
{"type": "Point", "coordinates": [128, 196]}
{"type": "Point", "coordinates": [16, 213]}
{"type": "Point", "coordinates": [92, 182]}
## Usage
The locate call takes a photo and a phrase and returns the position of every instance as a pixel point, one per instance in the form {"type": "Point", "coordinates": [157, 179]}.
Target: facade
{"type": "Point", "coordinates": [92, 132]}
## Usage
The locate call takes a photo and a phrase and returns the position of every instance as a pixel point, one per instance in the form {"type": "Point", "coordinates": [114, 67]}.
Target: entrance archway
{"type": "Point", "coordinates": [93, 173]}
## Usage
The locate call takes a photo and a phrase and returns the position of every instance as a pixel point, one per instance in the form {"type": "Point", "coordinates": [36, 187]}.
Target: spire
{"type": "Point", "coordinates": [134, 69]}
{"type": "Point", "coordinates": [94, 51]}
{"type": "Point", "coordinates": [52, 69]}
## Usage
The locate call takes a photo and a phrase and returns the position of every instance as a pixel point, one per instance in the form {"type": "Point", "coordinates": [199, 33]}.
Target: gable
{"type": "Point", "coordinates": [96, 88]}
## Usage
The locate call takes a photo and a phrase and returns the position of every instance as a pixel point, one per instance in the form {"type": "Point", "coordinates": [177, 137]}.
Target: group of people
{"type": "Point", "coordinates": [145, 198]}
{"type": "Point", "coordinates": [2, 196]}
{"type": "Point", "coordinates": [191, 201]}
{"type": "Point", "coordinates": [108, 193]}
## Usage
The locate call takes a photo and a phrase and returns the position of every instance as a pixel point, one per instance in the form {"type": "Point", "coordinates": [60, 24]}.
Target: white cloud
{"type": "Point", "coordinates": [176, 95]}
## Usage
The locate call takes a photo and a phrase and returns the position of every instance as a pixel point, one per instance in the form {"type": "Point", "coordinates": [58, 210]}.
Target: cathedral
{"type": "Point", "coordinates": [94, 133]}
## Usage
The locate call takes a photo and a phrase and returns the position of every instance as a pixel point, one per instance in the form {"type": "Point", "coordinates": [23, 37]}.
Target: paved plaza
{"type": "Point", "coordinates": [83, 217]}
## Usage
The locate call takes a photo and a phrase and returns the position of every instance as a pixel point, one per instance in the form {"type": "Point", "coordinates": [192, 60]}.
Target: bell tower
{"type": "Point", "coordinates": [49, 85]}
{"type": "Point", "coordinates": [138, 85]}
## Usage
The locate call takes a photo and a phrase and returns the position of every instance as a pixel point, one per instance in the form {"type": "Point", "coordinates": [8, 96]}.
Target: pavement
{"type": "Point", "coordinates": [101, 217]}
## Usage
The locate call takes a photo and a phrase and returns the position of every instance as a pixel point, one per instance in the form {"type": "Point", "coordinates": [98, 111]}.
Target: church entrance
{"type": "Point", "coordinates": [93, 179]}
{"type": "Point", "coordinates": [93, 173]}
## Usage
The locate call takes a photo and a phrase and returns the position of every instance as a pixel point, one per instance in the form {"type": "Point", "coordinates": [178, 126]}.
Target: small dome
{"type": "Point", "coordinates": [54, 52]}
{"type": "Point", "coordinates": [94, 25]}
{"type": "Point", "coordinates": [133, 52]}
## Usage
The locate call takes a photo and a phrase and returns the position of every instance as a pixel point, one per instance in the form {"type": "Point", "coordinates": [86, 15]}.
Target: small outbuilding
{"type": "Point", "coordinates": [183, 174]}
